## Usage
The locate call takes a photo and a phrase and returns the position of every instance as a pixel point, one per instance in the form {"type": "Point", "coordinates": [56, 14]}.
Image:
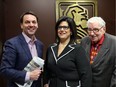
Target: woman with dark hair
{"type": "Point", "coordinates": [71, 24]}
{"type": "Point", "coordinates": [66, 62]}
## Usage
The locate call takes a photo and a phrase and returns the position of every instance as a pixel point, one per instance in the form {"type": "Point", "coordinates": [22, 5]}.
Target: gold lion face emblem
{"type": "Point", "coordinates": [80, 16]}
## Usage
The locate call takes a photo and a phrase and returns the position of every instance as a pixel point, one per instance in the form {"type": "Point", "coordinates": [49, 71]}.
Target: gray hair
{"type": "Point", "coordinates": [98, 20]}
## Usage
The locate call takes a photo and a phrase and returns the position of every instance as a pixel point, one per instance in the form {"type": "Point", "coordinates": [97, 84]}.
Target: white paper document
{"type": "Point", "coordinates": [36, 62]}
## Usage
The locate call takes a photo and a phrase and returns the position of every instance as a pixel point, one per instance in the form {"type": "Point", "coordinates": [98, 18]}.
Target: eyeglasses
{"type": "Point", "coordinates": [64, 27]}
{"type": "Point", "coordinates": [95, 30]}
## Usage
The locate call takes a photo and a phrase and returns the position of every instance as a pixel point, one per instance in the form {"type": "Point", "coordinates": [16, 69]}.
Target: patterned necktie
{"type": "Point", "coordinates": [94, 52]}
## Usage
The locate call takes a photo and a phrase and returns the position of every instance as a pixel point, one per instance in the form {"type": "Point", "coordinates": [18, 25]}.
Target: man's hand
{"type": "Point", "coordinates": [34, 75]}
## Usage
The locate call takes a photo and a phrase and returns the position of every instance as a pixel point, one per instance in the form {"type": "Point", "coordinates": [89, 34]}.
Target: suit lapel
{"type": "Point", "coordinates": [103, 50]}
{"type": "Point", "coordinates": [54, 49]}
{"type": "Point", "coordinates": [39, 49]}
{"type": "Point", "coordinates": [25, 47]}
{"type": "Point", "coordinates": [66, 51]}
{"type": "Point", "coordinates": [87, 48]}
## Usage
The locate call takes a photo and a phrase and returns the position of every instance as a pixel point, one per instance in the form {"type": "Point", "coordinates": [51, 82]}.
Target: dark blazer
{"type": "Point", "coordinates": [16, 55]}
{"type": "Point", "coordinates": [104, 66]}
{"type": "Point", "coordinates": [67, 69]}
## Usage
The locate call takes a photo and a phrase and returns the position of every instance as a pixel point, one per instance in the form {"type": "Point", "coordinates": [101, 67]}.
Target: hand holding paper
{"type": "Point", "coordinates": [34, 75]}
{"type": "Point", "coordinates": [34, 67]}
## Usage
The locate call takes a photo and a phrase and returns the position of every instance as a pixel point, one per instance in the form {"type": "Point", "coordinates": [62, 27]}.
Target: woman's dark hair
{"type": "Point", "coordinates": [27, 13]}
{"type": "Point", "coordinates": [71, 25]}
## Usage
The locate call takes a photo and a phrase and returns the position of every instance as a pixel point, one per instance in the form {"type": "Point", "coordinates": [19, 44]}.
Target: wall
{"type": "Point", "coordinates": [106, 9]}
{"type": "Point", "coordinates": [0, 17]}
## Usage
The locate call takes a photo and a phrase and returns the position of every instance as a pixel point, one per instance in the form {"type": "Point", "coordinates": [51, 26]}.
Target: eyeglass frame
{"type": "Point", "coordinates": [64, 27]}
{"type": "Point", "coordinates": [95, 30]}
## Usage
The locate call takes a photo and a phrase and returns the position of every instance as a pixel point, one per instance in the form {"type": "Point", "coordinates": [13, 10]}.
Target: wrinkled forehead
{"type": "Point", "coordinates": [94, 25]}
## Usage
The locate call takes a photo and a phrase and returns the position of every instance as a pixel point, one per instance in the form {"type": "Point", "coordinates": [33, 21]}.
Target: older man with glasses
{"type": "Point", "coordinates": [100, 48]}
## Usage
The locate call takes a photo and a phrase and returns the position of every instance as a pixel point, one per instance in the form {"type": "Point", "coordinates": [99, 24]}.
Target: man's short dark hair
{"type": "Point", "coordinates": [27, 13]}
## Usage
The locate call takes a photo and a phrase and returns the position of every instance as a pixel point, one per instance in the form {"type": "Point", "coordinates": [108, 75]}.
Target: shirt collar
{"type": "Point", "coordinates": [100, 42]}
{"type": "Point", "coordinates": [28, 40]}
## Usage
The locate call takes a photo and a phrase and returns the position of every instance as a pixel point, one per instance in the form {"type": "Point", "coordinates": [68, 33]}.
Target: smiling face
{"type": "Point", "coordinates": [95, 31]}
{"type": "Point", "coordinates": [29, 25]}
{"type": "Point", "coordinates": [64, 31]}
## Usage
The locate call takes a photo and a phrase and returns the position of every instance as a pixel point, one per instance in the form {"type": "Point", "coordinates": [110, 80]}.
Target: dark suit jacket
{"type": "Point", "coordinates": [104, 66]}
{"type": "Point", "coordinates": [67, 69]}
{"type": "Point", "coordinates": [16, 55]}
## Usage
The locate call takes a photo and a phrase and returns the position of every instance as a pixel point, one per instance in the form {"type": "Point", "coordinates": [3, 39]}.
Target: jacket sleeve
{"type": "Point", "coordinates": [8, 64]}
{"type": "Point", "coordinates": [113, 79]}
